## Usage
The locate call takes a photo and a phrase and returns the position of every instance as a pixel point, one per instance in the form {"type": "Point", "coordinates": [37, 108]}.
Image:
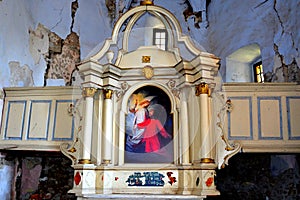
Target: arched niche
{"type": "Point", "coordinates": [239, 64]}
{"type": "Point", "coordinates": [157, 140]}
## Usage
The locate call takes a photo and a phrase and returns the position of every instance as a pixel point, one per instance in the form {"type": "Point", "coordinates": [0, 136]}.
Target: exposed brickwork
{"type": "Point", "coordinates": [62, 65]}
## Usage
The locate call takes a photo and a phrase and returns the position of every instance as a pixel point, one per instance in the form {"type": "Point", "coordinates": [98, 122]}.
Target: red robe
{"type": "Point", "coordinates": [152, 127]}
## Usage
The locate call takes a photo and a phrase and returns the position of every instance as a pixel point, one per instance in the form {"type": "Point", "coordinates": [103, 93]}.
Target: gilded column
{"type": "Point", "coordinates": [202, 90]}
{"type": "Point", "coordinates": [107, 140]}
{"type": "Point", "coordinates": [88, 94]}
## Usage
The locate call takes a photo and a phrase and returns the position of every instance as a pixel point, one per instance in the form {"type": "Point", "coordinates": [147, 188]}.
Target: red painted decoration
{"type": "Point", "coordinates": [171, 179]}
{"type": "Point", "coordinates": [209, 181]}
{"type": "Point", "coordinates": [77, 178]}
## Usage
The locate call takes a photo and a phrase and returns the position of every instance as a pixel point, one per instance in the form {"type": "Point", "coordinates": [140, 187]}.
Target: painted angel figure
{"type": "Point", "coordinates": [141, 114]}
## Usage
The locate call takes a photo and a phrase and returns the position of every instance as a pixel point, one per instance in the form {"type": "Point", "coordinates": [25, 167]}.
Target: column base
{"type": "Point", "coordinates": [207, 160]}
{"type": "Point", "coordinates": [106, 162]}
{"type": "Point", "coordinates": [84, 161]}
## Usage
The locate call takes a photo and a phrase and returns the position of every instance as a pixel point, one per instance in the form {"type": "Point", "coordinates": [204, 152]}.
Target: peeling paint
{"type": "Point", "coordinates": [20, 76]}
{"type": "Point", "coordinates": [190, 13]}
{"type": "Point", "coordinates": [38, 42]}
{"type": "Point", "coordinates": [284, 72]}
{"type": "Point", "coordinates": [111, 7]}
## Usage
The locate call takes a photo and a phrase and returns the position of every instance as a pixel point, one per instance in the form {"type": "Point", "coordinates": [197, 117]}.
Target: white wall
{"type": "Point", "coordinates": [234, 24]}
{"type": "Point", "coordinates": [238, 71]}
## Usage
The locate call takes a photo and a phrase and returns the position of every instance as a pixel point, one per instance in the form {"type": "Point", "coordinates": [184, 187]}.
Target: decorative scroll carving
{"type": "Point", "coordinates": [71, 150]}
{"type": "Point", "coordinates": [172, 86]}
{"type": "Point", "coordinates": [231, 149]}
{"type": "Point", "coordinates": [124, 88]}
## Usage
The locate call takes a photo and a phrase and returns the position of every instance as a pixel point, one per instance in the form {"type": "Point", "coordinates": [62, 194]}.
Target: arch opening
{"type": "Point", "coordinates": [244, 65]}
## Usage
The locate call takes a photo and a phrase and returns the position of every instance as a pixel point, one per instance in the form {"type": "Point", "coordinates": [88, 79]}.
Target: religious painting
{"type": "Point", "coordinates": [149, 127]}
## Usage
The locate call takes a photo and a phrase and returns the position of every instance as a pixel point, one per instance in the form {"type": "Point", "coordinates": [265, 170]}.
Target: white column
{"type": "Point", "coordinates": [212, 138]}
{"type": "Point", "coordinates": [88, 94]}
{"type": "Point", "coordinates": [205, 137]}
{"type": "Point", "coordinates": [107, 139]}
{"type": "Point", "coordinates": [184, 128]}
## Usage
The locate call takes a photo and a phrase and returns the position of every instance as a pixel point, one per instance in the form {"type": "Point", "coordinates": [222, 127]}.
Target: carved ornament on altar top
{"type": "Point", "coordinates": [148, 72]}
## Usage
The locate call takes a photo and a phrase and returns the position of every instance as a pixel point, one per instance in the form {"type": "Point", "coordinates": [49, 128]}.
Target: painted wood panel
{"type": "Point", "coordinates": [293, 115]}
{"type": "Point", "coordinates": [39, 120]}
{"type": "Point", "coordinates": [64, 123]}
{"type": "Point", "coordinates": [269, 118]}
{"type": "Point", "coordinates": [240, 118]}
{"type": "Point", "coordinates": [15, 120]}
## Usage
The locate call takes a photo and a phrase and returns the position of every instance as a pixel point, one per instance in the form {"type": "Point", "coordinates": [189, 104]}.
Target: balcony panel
{"type": "Point", "coordinates": [63, 122]}
{"type": "Point", "coordinates": [240, 119]}
{"type": "Point", "coordinates": [15, 118]}
{"type": "Point", "coordinates": [269, 118]}
{"type": "Point", "coordinates": [293, 115]}
{"type": "Point", "coordinates": [264, 117]}
{"type": "Point", "coordinates": [37, 118]}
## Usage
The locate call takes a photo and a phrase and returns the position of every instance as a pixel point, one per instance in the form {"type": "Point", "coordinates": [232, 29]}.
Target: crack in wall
{"type": "Point", "coordinates": [288, 72]}
{"type": "Point", "coordinates": [260, 4]}
{"type": "Point", "coordinates": [59, 21]}
{"type": "Point", "coordinates": [62, 54]}
{"type": "Point", "coordinates": [280, 21]}
{"type": "Point", "coordinates": [74, 10]}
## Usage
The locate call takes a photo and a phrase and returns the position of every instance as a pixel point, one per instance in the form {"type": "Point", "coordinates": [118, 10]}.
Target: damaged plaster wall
{"type": "Point", "coordinates": [64, 54]}
{"type": "Point", "coordinates": [48, 38]}
{"type": "Point", "coordinates": [272, 24]}
{"type": "Point", "coordinates": [61, 65]}
{"type": "Point", "coordinates": [22, 49]}
{"type": "Point", "coordinates": [36, 34]}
